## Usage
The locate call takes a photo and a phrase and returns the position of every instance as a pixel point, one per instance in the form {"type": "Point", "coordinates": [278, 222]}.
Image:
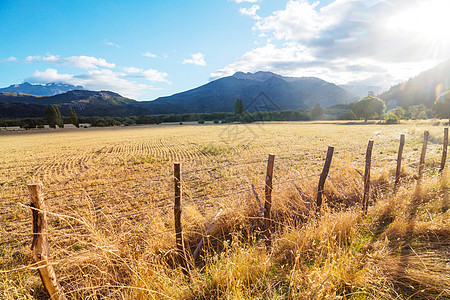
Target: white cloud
{"type": "Point", "coordinates": [154, 75]}
{"type": "Point", "coordinates": [150, 74]}
{"type": "Point", "coordinates": [99, 75]}
{"type": "Point", "coordinates": [250, 11]}
{"type": "Point", "coordinates": [299, 20]}
{"type": "Point", "coordinates": [82, 62]}
{"type": "Point", "coordinates": [93, 80]}
{"type": "Point", "coordinates": [352, 29]}
{"type": "Point", "coordinates": [30, 59]}
{"type": "Point", "coordinates": [267, 58]}
{"type": "Point", "coordinates": [11, 59]}
{"type": "Point", "coordinates": [243, 1]}
{"type": "Point", "coordinates": [132, 70]}
{"type": "Point", "coordinates": [196, 59]}
{"type": "Point", "coordinates": [108, 43]}
{"type": "Point", "coordinates": [148, 54]}
{"type": "Point", "coordinates": [109, 80]}
{"type": "Point", "coordinates": [347, 40]}
{"type": "Point", "coordinates": [49, 75]}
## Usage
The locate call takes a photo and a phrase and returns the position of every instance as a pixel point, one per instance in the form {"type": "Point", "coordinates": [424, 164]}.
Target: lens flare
{"type": "Point", "coordinates": [440, 91]}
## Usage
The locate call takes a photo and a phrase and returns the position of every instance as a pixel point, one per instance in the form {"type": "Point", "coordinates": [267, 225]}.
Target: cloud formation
{"type": "Point", "coordinates": [250, 11]}
{"type": "Point", "coordinates": [345, 40]}
{"type": "Point", "coordinates": [99, 75]}
{"type": "Point", "coordinates": [196, 59]}
{"type": "Point", "coordinates": [82, 62]}
{"type": "Point", "coordinates": [149, 74]}
{"type": "Point", "coordinates": [148, 54]}
{"type": "Point", "coordinates": [50, 75]}
{"type": "Point", "coordinates": [243, 1]}
{"type": "Point", "coordinates": [108, 43]}
{"type": "Point", "coordinates": [93, 80]}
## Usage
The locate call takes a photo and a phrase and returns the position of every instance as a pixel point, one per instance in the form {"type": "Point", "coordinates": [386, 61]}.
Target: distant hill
{"type": "Point", "coordinates": [85, 103]}
{"type": "Point", "coordinates": [48, 89]}
{"type": "Point", "coordinates": [419, 89]}
{"type": "Point", "coordinates": [287, 93]}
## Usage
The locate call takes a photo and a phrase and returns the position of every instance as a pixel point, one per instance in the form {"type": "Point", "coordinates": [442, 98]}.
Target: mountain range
{"type": "Point", "coordinates": [259, 91]}
{"type": "Point", "coordinates": [285, 93]}
{"type": "Point", "coordinates": [48, 89]}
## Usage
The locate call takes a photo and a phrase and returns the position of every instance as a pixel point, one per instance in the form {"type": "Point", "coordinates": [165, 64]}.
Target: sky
{"type": "Point", "coordinates": [145, 49]}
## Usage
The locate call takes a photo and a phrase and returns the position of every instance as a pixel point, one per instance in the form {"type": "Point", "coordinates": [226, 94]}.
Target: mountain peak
{"type": "Point", "coordinates": [259, 76]}
{"type": "Point", "coordinates": [49, 89]}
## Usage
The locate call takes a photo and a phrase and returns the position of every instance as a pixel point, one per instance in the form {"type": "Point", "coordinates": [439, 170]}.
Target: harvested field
{"type": "Point", "coordinates": [109, 197]}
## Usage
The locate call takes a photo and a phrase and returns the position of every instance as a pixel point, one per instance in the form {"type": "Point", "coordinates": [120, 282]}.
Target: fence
{"type": "Point", "coordinates": [40, 245]}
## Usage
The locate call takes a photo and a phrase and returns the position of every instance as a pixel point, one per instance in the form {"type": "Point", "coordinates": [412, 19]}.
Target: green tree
{"type": "Point", "coordinates": [238, 107]}
{"type": "Point", "coordinates": [368, 107]}
{"type": "Point", "coordinates": [441, 107]}
{"type": "Point", "coordinates": [399, 112]}
{"type": "Point", "coordinates": [317, 112]}
{"type": "Point", "coordinates": [58, 116]}
{"type": "Point", "coordinates": [417, 112]}
{"type": "Point", "coordinates": [74, 118]}
{"type": "Point", "coordinates": [50, 117]}
{"type": "Point", "coordinates": [391, 118]}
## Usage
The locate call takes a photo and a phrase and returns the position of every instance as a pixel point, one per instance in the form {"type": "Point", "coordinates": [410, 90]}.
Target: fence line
{"type": "Point", "coordinates": [40, 240]}
{"type": "Point", "coordinates": [153, 179]}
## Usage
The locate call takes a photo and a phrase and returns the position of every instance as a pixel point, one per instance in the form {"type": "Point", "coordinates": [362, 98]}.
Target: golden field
{"type": "Point", "coordinates": [109, 197]}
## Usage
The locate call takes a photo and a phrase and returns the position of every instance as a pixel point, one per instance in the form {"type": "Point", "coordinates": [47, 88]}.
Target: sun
{"type": "Point", "coordinates": [428, 20]}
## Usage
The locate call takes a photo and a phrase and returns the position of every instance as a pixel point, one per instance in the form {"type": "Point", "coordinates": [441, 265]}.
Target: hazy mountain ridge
{"type": "Point", "coordinates": [49, 89]}
{"type": "Point", "coordinates": [287, 93]}
{"type": "Point", "coordinates": [419, 89]}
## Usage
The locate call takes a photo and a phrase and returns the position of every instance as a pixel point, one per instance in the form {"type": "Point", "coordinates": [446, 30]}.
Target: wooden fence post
{"type": "Point", "coordinates": [422, 155]}
{"type": "Point", "coordinates": [268, 195]}
{"type": "Point", "coordinates": [399, 162]}
{"type": "Point", "coordinates": [367, 176]}
{"type": "Point", "coordinates": [177, 206]}
{"type": "Point", "coordinates": [39, 246]}
{"type": "Point", "coordinates": [323, 177]}
{"type": "Point", "coordinates": [444, 150]}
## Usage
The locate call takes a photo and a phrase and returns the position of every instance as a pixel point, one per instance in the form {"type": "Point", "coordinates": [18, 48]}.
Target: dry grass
{"type": "Point", "coordinates": [109, 198]}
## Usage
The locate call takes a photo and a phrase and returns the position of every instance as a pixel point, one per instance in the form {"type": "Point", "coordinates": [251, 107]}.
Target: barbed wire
{"type": "Point", "coordinates": [213, 168]}
{"type": "Point", "coordinates": [161, 177]}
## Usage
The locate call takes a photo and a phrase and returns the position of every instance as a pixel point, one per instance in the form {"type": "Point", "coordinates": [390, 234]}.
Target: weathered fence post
{"type": "Point", "coordinates": [399, 161]}
{"type": "Point", "coordinates": [177, 206]}
{"type": "Point", "coordinates": [367, 176]}
{"type": "Point", "coordinates": [422, 155]}
{"type": "Point", "coordinates": [323, 177]}
{"type": "Point", "coordinates": [39, 246]}
{"type": "Point", "coordinates": [444, 150]}
{"type": "Point", "coordinates": [268, 202]}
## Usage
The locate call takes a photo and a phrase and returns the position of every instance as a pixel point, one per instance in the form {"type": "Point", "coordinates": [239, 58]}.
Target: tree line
{"type": "Point", "coordinates": [365, 108]}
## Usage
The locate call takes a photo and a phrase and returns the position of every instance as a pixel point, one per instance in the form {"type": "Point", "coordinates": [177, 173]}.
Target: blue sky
{"type": "Point", "coordinates": [151, 48]}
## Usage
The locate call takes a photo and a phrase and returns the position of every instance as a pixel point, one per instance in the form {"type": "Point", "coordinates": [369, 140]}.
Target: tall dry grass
{"type": "Point", "coordinates": [116, 241]}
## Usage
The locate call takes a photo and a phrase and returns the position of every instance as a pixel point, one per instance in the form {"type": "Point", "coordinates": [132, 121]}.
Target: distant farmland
{"type": "Point", "coordinates": [110, 192]}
